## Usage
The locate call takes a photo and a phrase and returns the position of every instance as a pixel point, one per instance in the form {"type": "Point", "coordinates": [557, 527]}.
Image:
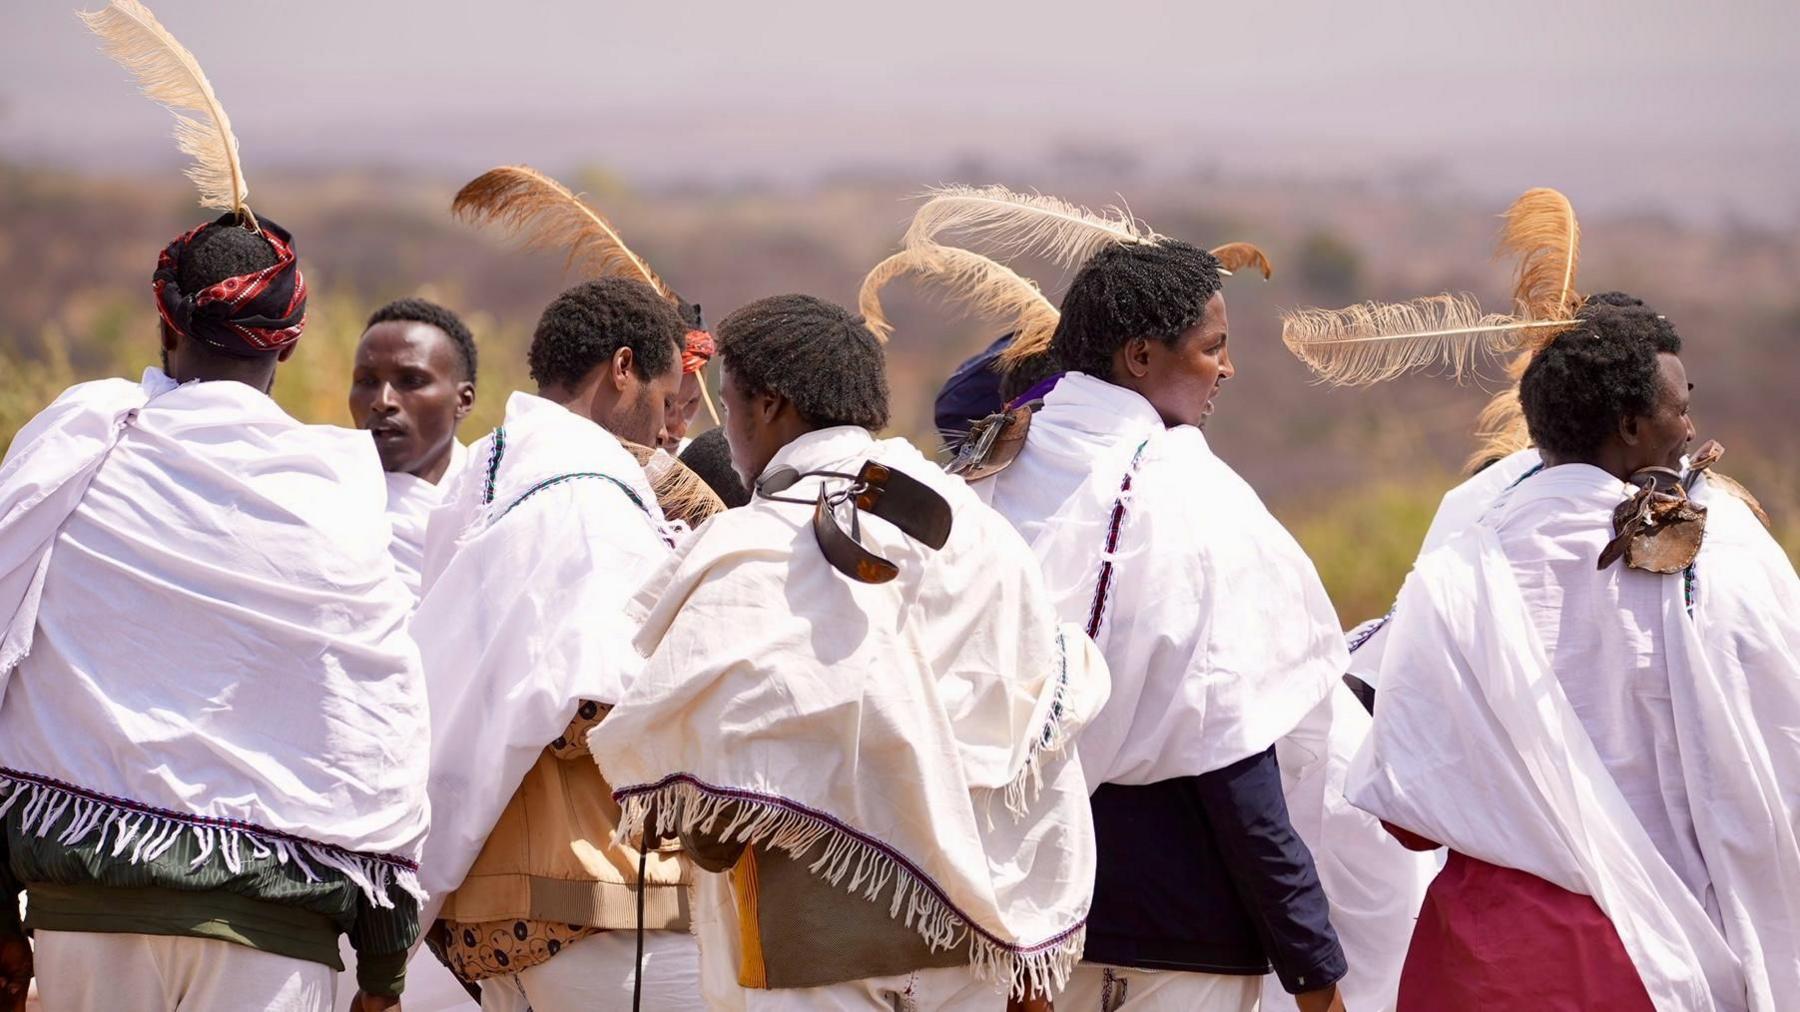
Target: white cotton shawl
{"type": "Point", "coordinates": [1476, 744]}
{"type": "Point", "coordinates": [529, 564]}
{"type": "Point", "coordinates": [1456, 512]}
{"type": "Point", "coordinates": [410, 502]}
{"type": "Point", "coordinates": [1373, 885]}
{"type": "Point", "coordinates": [1214, 624]}
{"type": "Point", "coordinates": [917, 727]}
{"type": "Point", "coordinates": [205, 634]}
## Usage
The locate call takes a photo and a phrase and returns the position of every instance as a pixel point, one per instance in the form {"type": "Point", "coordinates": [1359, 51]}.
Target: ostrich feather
{"type": "Point", "coordinates": [169, 75]}
{"type": "Point", "coordinates": [682, 494]}
{"type": "Point", "coordinates": [544, 214]}
{"type": "Point", "coordinates": [1235, 256]}
{"type": "Point", "coordinates": [1541, 231]}
{"type": "Point", "coordinates": [985, 287]}
{"type": "Point", "coordinates": [1016, 224]}
{"type": "Point", "coordinates": [1500, 429]}
{"type": "Point", "coordinates": [1371, 342]}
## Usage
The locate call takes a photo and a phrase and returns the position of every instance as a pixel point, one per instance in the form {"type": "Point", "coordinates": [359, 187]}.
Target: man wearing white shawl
{"type": "Point", "coordinates": [857, 707]}
{"type": "Point", "coordinates": [526, 643]}
{"type": "Point", "coordinates": [1604, 731]}
{"type": "Point", "coordinates": [1218, 634]}
{"type": "Point", "coordinates": [212, 721]}
{"type": "Point", "coordinates": [412, 384]}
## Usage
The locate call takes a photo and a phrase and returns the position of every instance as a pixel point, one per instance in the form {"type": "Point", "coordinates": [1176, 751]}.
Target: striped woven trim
{"type": "Point", "coordinates": [1103, 586]}
{"type": "Point", "coordinates": [495, 452]}
{"type": "Point", "coordinates": [572, 476]}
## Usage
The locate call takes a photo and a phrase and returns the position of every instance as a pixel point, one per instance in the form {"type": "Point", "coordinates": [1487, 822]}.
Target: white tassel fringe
{"type": "Point", "coordinates": [140, 836]}
{"type": "Point", "coordinates": [682, 805]}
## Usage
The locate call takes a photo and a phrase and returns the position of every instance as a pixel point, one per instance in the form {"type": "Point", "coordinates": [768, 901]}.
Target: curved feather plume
{"type": "Point", "coordinates": [1016, 224]}
{"type": "Point", "coordinates": [1372, 341]}
{"type": "Point", "coordinates": [682, 494]}
{"type": "Point", "coordinates": [1236, 256]}
{"type": "Point", "coordinates": [170, 76]}
{"type": "Point", "coordinates": [544, 214]}
{"type": "Point", "coordinates": [1541, 231]}
{"type": "Point", "coordinates": [1500, 428]}
{"type": "Point", "coordinates": [985, 287]}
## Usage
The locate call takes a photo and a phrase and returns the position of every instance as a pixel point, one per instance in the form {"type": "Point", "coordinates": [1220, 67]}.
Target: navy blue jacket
{"type": "Point", "coordinates": [1206, 874]}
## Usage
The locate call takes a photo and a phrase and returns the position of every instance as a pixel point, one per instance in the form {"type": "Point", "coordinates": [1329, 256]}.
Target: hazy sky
{"type": "Point", "coordinates": [1624, 102]}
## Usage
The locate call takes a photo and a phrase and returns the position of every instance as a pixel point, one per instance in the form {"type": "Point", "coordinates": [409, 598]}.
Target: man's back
{"type": "Point", "coordinates": [215, 728]}
{"type": "Point", "coordinates": [903, 726]}
{"type": "Point", "coordinates": [222, 558]}
{"type": "Point", "coordinates": [1602, 631]}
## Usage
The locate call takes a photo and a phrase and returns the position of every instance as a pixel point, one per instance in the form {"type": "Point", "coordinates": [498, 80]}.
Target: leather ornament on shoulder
{"type": "Point", "coordinates": [1659, 530]}
{"type": "Point", "coordinates": [902, 500]}
{"type": "Point", "coordinates": [994, 442]}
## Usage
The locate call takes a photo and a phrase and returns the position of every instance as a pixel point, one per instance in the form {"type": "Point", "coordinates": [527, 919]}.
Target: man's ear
{"type": "Point", "coordinates": [286, 353]}
{"type": "Point", "coordinates": [769, 406]}
{"type": "Point", "coordinates": [465, 399]}
{"type": "Point", "coordinates": [1134, 357]}
{"type": "Point", "coordinates": [1630, 429]}
{"type": "Point", "coordinates": [620, 372]}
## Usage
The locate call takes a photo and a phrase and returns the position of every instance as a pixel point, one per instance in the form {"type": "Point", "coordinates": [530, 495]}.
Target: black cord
{"type": "Point", "coordinates": [637, 980]}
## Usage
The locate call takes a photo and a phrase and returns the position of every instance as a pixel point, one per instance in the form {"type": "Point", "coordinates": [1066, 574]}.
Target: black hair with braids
{"type": "Point", "coordinates": [815, 353]}
{"type": "Point", "coordinates": [1130, 290]}
{"type": "Point", "coordinates": [431, 314]}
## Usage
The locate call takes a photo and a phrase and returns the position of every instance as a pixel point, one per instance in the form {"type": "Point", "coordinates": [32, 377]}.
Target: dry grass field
{"type": "Point", "coordinates": [1355, 473]}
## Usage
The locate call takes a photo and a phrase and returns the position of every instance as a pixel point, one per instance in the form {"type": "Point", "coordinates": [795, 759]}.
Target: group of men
{"type": "Point", "coordinates": [849, 731]}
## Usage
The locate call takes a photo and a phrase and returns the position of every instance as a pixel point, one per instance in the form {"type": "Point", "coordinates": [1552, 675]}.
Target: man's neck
{"type": "Point", "coordinates": [434, 471]}
{"type": "Point", "coordinates": [579, 402]}
{"type": "Point", "coordinates": [1611, 463]}
{"type": "Point", "coordinates": [257, 375]}
{"type": "Point", "coordinates": [186, 360]}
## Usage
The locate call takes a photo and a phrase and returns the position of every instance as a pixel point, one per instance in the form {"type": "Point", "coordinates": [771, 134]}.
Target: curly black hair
{"type": "Point", "coordinates": [1131, 290]}
{"type": "Point", "coordinates": [815, 353]}
{"type": "Point", "coordinates": [431, 314]}
{"type": "Point", "coordinates": [586, 325]}
{"type": "Point", "coordinates": [1600, 371]}
{"type": "Point", "coordinates": [709, 456]}
{"type": "Point", "coordinates": [222, 251]}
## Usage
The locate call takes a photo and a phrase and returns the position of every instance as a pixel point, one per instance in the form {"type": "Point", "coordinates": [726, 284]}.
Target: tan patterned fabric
{"type": "Point", "coordinates": [496, 948]}
{"type": "Point", "coordinates": [552, 855]}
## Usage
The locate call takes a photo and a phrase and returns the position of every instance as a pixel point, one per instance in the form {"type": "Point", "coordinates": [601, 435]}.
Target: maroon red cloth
{"type": "Point", "coordinates": [249, 315]}
{"type": "Point", "coordinates": [1493, 938]}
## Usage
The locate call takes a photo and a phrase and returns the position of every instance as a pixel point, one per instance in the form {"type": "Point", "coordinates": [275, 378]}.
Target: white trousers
{"type": "Point", "coordinates": [1098, 988]}
{"type": "Point", "coordinates": [597, 974]}
{"type": "Point", "coordinates": [943, 989]}
{"type": "Point", "coordinates": [80, 971]}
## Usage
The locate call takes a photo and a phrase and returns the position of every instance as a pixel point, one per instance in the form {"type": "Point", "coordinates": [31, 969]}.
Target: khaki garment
{"type": "Point", "coordinates": [797, 930]}
{"type": "Point", "coordinates": [552, 865]}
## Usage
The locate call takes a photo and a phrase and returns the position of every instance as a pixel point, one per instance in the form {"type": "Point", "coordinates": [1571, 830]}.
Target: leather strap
{"type": "Point", "coordinates": [993, 443]}
{"type": "Point", "coordinates": [902, 500]}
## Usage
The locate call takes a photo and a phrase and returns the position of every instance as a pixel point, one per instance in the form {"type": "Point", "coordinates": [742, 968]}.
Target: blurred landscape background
{"type": "Point", "coordinates": [746, 151]}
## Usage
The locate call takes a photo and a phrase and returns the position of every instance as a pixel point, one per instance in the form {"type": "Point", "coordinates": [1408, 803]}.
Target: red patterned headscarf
{"type": "Point", "coordinates": [698, 351]}
{"type": "Point", "coordinates": [247, 316]}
